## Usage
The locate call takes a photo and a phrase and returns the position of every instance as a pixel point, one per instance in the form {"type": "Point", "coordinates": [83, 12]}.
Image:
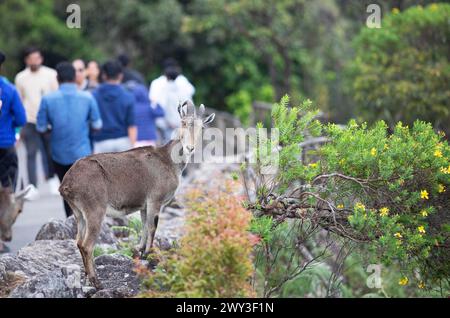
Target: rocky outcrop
{"type": "Point", "coordinates": [67, 230]}
{"type": "Point", "coordinates": [46, 269]}
{"type": "Point", "coordinates": [53, 269]}
{"type": "Point", "coordinates": [117, 276]}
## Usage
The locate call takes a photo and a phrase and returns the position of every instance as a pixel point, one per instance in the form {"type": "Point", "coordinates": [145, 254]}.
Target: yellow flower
{"type": "Point", "coordinates": [438, 153]}
{"type": "Point", "coordinates": [386, 147]}
{"type": "Point", "coordinates": [373, 152]}
{"type": "Point", "coordinates": [445, 170]}
{"type": "Point", "coordinates": [421, 285]}
{"type": "Point", "coordinates": [441, 188]}
{"type": "Point", "coordinates": [313, 165]}
{"type": "Point", "coordinates": [340, 206]}
{"type": "Point", "coordinates": [424, 213]}
{"type": "Point", "coordinates": [421, 229]}
{"type": "Point", "coordinates": [384, 211]}
{"type": "Point", "coordinates": [395, 11]}
{"type": "Point", "coordinates": [424, 194]}
{"type": "Point", "coordinates": [398, 235]}
{"type": "Point", "coordinates": [434, 7]}
{"type": "Point", "coordinates": [403, 281]}
{"type": "Point", "coordinates": [361, 206]}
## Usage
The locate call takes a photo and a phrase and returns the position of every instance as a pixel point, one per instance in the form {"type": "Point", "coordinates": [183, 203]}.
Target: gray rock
{"type": "Point", "coordinates": [63, 284]}
{"type": "Point", "coordinates": [53, 268]}
{"type": "Point", "coordinates": [43, 257]}
{"type": "Point", "coordinates": [2, 272]}
{"type": "Point", "coordinates": [121, 292]}
{"type": "Point", "coordinates": [67, 230]}
{"type": "Point", "coordinates": [163, 243]}
{"type": "Point", "coordinates": [117, 276]}
{"type": "Point", "coordinates": [49, 269]}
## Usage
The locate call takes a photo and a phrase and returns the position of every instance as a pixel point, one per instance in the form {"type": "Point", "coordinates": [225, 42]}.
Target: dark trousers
{"type": "Point", "coordinates": [34, 141]}
{"type": "Point", "coordinates": [61, 171]}
{"type": "Point", "coordinates": [8, 167]}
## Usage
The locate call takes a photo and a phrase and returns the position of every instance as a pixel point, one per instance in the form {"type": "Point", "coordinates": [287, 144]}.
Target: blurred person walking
{"type": "Point", "coordinates": [128, 73]}
{"type": "Point", "coordinates": [93, 75]}
{"type": "Point", "coordinates": [168, 90]}
{"type": "Point", "coordinates": [68, 114]}
{"type": "Point", "coordinates": [33, 83]}
{"type": "Point", "coordinates": [145, 113]}
{"type": "Point", "coordinates": [116, 106]}
{"type": "Point", "coordinates": [12, 116]}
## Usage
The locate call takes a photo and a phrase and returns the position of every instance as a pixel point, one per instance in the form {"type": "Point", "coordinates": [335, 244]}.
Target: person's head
{"type": "Point", "coordinates": [33, 58]}
{"type": "Point", "coordinates": [124, 60]}
{"type": "Point", "coordinates": [93, 71]}
{"type": "Point", "coordinates": [112, 72]}
{"type": "Point", "coordinates": [171, 69]}
{"type": "Point", "coordinates": [80, 69]}
{"type": "Point", "coordinates": [2, 59]}
{"type": "Point", "coordinates": [66, 72]}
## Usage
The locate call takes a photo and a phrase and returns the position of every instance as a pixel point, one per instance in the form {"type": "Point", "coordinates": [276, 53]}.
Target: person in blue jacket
{"type": "Point", "coordinates": [12, 116]}
{"type": "Point", "coordinates": [145, 114]}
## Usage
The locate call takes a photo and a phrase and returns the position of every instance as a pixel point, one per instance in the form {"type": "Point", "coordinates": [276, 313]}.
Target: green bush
{"type": "Point", "coordinates": [387, 192]}
{"type": "Point", "coordinates": [214, 258]}
{"type": "Point", "coordinates": [400, 203]}
{"type": "Point", "coordinates": [401, 70]}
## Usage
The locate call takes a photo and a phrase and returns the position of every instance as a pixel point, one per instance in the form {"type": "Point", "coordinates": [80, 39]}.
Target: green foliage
{"type": "Point", "coordinates": [388, 190]}
{"type": "Point", "coordinates": [262, 227]}
{"type": "Point", "coordinates": [292, 124]}
{"type": "Point", "coordinates": [402, 211]}
{"type": "Point", "coordinates": [24, 23]}
{"type": "Point", "coordinates": [401, 71]}
{"type": "Point", "coordinates": [214, 258]}
{"type": "Point", "coordinates": [126, 246]}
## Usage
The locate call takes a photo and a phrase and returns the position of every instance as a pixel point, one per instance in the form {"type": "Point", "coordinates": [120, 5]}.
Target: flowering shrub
{"type": "Point", "coordinates": [386, 189]}
{"type": "Point", "coordinates": [214, 257]}
{"type": "Point", "coordinates": [400, 202]}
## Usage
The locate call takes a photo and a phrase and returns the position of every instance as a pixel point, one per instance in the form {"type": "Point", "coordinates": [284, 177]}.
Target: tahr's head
{"type": "Point", "coordinates": [11, 205]}
{"type": "Point", "coordinates": [192, 123]}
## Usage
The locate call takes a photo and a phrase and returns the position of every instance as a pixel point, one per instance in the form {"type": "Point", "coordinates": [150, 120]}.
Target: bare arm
{"type": "Point", "coordinates": [132, 135]}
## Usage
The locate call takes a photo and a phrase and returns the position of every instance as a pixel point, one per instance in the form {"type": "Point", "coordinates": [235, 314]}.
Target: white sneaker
{"type": "Point", "coordinates": [32, 194]}
{"type": "Point", "coordinates": [53, 185]}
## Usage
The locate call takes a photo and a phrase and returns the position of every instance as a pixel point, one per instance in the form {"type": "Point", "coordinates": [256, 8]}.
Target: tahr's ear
{"type": "Point", "coordinates": [201, 110]}
{"type": "Point", "coordinates": [209, 119]}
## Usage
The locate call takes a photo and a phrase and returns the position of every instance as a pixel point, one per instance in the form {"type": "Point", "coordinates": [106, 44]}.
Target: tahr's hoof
{"type": "Point", "coordinates": [96, 283]}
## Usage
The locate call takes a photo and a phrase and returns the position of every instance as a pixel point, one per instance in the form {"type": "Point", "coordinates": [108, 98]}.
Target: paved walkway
{"type": "Point", "coordinates": [35, 213]}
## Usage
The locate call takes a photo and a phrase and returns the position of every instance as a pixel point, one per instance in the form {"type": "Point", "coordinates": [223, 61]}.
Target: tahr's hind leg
{"type": "Point", "coordinates": [144, 234]}
{"type": "Point", "coordinates": [93, 226]}
{"type": "Point", "coordinates": [151, 224]}
{"type": "Point", "coordinates": [81, 231]}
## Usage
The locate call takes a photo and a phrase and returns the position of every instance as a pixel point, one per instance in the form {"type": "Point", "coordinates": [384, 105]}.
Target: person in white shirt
{"type": "Point", "coordinates": [168, 90]}
{"type": "Point", "coordinates": [35, 81]}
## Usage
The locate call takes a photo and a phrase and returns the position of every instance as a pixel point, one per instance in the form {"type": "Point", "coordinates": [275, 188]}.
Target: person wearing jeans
{"type": "Point", "coordinates": [116, 107]}
{"type": "Point", "coordinates": [68, 114]}
{"type": "Point", "coordinates": [12, 115]}
{"type": "Point", "coordinates": [32, 84]}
